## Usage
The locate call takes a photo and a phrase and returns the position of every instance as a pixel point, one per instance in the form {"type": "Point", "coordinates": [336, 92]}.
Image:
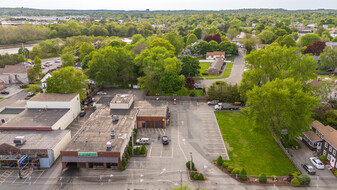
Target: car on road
{"type": "Point", "coordinates": [165, 140]}
{"type": "Point", "coordinates": [4, 92]}
{"type": "Point", "coordinates": [317, 163]}
{"type": "Point", "coordinates": [309, 169]}
{"type": "Point", "coordinates": [141, 141]}
{"type": "Point", "coordinates": [213, 102]}
{"type": "Point", "coordinates": [101, 93]}
{"type": "Point", "coordinates": [82, 113]}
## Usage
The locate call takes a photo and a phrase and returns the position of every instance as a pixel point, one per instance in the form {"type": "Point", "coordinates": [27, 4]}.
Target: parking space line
{"type": "Point", "coordinates": [39, 176]}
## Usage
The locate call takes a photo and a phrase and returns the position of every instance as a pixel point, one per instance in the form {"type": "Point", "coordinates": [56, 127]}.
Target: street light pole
{"type": "Point", "coordinates": [191, 164]}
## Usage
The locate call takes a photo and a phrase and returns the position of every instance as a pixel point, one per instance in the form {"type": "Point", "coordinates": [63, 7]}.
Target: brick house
{"type": "Point", "coordinates": [323, 139]}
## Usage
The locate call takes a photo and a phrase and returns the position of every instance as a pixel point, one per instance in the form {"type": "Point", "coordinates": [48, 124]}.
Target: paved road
{"type": "Point", "coordinates": [236, 74]}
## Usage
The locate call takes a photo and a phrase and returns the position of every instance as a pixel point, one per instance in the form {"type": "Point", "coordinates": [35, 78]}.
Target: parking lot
{"type": "Point", "coordinates": [11, 177]}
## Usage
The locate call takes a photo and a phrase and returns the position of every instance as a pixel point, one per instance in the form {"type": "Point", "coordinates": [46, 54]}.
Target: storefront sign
{"type": "Point", "coordinates": [88, 154]}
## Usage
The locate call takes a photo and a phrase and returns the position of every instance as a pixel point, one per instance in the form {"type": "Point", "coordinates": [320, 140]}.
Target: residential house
{"type": "Point", "coordinates": [215, 67]}
{"type": "Point", "coordinates": [323, 139]}
{"type": "Point", "coordinates": [215, 55]}
{"type": "Point", "coordinates": [13, 74]}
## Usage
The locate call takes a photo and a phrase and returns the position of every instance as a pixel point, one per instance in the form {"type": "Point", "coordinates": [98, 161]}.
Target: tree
{"type": "Point", "coordinates": [189, 83]}
{"type": "Point", "coordinates": [176, 40]}
{"type": "Point", "coordinates": [232, 33]}
{"type": "Point", "coordinates": [278, 104]}
{"type": "Point", "coordinates": [171, 82]}
{"type": "Point", "coordinates": [85, 50]}
{"type": "Point", "coordinates": [34, 88]}
{"type": "Point", "coordinates": [67, 80]}
{"type": "Point", "coordinates": [191, 39]}
{"type": "Point", "coordinates": [160, 42]}
{"type": "Point", "coordinates": [198, 32]}
{"type": "Point", "coordinates": [316, 48]}
{"type": "Point", "coordinates": [190, 66]}
{"type": "Point", "coordinates": [308, 39]}
{"type": "Point", "coordinates": [249, 42]}
{"type": "Point", "coordinates": [215, 37]}
{"type": "Point", "coordinates": [267, 37]}
{"type": "Point", "coordinates": [329, 57]}
{"type": "Point", "coordinates": [68, 60]}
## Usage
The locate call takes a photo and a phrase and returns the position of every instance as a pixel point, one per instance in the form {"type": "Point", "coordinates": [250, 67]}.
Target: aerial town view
{"type": "Point", "coordinates": [168, 95]}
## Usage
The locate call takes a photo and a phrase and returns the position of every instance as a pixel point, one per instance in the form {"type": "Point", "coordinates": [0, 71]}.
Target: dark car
{"type": "Point", "coordinates": [4, 92]}
{"type": "Point", "coordinates": [165, 140]}
{"type": "Point", "coordinates": [82, 113]}
{"type": "Point", "coordinates": [309, 169]}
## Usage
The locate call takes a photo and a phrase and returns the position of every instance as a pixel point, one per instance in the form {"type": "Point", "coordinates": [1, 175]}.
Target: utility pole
{"type": "Point", "coordinates": [191, 164]}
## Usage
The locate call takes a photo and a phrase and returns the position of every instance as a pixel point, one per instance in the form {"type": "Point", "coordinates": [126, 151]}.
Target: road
{"type": "Point", "coordinates": [236, 74]}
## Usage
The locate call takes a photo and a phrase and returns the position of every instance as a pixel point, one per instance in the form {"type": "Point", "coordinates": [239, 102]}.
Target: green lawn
{"type": "Point", "coordinates": [254, 150]}
{"type": "Point", "coordinates": [227, 72]}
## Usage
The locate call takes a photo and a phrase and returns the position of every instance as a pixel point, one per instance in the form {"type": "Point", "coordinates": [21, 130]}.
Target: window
{"type": "Point", "coordinates": [334, 152]}
{"type": "Point", "coordinates": [330, 149]}
{"type": "Point", "coordinates": [326, 144]}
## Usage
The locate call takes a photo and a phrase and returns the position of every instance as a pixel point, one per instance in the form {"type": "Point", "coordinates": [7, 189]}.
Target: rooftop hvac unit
{"type": "Point", "coordinates": [19, 140]}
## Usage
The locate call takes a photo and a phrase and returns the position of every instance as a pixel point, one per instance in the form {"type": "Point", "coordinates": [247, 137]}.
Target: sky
{"type": "Point", "coordinates": [170, 4]}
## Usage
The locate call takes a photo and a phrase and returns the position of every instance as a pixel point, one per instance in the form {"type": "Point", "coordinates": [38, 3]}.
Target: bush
{"type": "Point", "coordinates": [304, 179]}
{"type": "Point", "coordinates": [192, 94]}
{"type": "Point", "coordinates": [196, 176]}
{"type": "Point", "coordinates": [243, 174]}
{"type": "Point", "coordinates": [236, 171]}
{"type": "Point", "coordinates": [230, 169]}
{"type": "Point", "coordinates": [188, 165]}
{"type": "Point", "coordinates": [204, 73]}
{"type": "Point", "coordinates": [143, 150]}
{"type": "Point", "coordinates": [124, 162]}
{"type": "Point", "coordinates": [137, 151]}
{"type": "Point", "coordinates": [262, 178]}
{"type": "Point", "coordinates": [295, 182]}
{"type": "Point", "coordinates": [219, 161]}
{"type": "Point", "coordinates": [323, 158]}
{"type": "Point", "coordinates": [201, 177]}
{"type": "Point", "coordinates": [225, 164]}
{"type": "Point", "coordinates": [122, 168]}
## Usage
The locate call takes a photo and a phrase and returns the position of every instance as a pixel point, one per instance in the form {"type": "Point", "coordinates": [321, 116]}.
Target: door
{"type": "Point", "coordinates": [332, 161]}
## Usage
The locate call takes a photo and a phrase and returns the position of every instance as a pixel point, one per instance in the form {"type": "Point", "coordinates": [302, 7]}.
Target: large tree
{"type": "Point", "coordinates": [308, 39]}
{"type": "Point", "coordinates": [67, 80]}
{"type": "Point", "coordinates": [190, 66]}
{"type": "Point", "coordinates": [329, 57]}
{"type": "Point", "coordinates": [281, 105]}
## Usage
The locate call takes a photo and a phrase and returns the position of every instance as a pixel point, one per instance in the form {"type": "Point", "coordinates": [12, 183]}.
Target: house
{"type": "Point", "coordinates": [44, 81]}
{"type": "Point", "coordinates": [215, 67]}
{"type": "Point", "coordinates": [13, 74]}
{"type": "Point", "coordinates": [215, 55]}
{"type": "Point", "coordinates": [322, 139]}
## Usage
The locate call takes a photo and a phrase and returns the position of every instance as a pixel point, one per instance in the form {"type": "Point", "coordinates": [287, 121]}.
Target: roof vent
{"type": "Point", "coordinates": [19, 140]}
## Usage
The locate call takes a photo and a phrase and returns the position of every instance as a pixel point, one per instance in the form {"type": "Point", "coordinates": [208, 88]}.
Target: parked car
{"type": "Point", "coordinates": [101, 93]}
{"type": "Point", "coordinates": [82, 113]}
{"type": "Point", "coordinates": [165, 140]}
{"type": "Point", "coordinates": [309, 169]}
{"type": "Point", "coordinates": [213, 102]}
{"type": "Point", "coordinates": [4, 92]}
{"type": "Point", "coordinates": [142, 141]}
{"type": "Point", "coordinates": [317, 163]}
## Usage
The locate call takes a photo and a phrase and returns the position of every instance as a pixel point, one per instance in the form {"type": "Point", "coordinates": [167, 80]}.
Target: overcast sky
{"type": "Point", "coordinates": [170, 4]}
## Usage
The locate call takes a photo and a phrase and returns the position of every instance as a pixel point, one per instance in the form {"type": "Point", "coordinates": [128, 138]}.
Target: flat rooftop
{"type": "Point", "coordinates": [35, 139]}
{"type": "Point", "coordinates": [35, 119]}
{"type": "Point", "coordinates": [98, 128]}
{"type": "Point", "coordinates": [121, 98]}
{"type": "Point", "coordinates": [53, 97]}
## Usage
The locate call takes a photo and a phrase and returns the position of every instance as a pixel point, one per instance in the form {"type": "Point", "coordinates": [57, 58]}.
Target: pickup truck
{"type": "Point", "coordinates": [226, 106]}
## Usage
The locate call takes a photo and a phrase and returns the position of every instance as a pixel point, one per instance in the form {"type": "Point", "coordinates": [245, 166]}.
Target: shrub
{"type": "Point", "coordinates": [143, 150]}
{"type": "Point", "coordinates": [304, 179]}
{"type": "Point", "coordinates": [295, 182]}
{"type": "Point", "coordinates": [236, 171]}
{"type": "Point", "coordinates": [127, 155]}
{"type": "Point", "coordinates": [192, 94]}
{"type": "Point", "coordinates": [192, 173]}
{"type": "Point", "coordinates": [122, 168]}
{"type": "Point", "coordinates": [262, 178]}
{"type": "Point", "coordinates": [230, 169]}
{"type": "Point", "coordinates": [137, 151]}
{"type": "Point", "coordinates": [196, 176]}
{"type": "Point", "coordinates": [225, 164]}
{"type": "Point", "coordinates": [204, 73]}
{"type": "Point", "coordinates": [323, 158]}
{"type": "Point", "coordinates": [243, 174]}
{"type": "Point", "coordinates": [188, 165]}
{"type": "Point", "coordinates": [201, 177]}
{"type": "Point", "coordinates": [124, 162]}
{"type": "Point", "coordinates": [219, 161]}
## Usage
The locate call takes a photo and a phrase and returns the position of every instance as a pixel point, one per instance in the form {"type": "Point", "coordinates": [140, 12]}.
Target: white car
{"type": "Point", "coordinates": [317, 163]}
{"type": "Point", "coordinates": [101, 93]}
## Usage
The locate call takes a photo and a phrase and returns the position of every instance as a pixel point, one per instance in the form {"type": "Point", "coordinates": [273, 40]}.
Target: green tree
{"type": "Point", "coordinates": [267, 37]}
{"type": "Point", "coordinates": [190, 66]}
{"type": "Point", "coordinates": [67, 80]}
{"type": "Point", "coordinates": [278, 104]}
{"type": "Point", "coordinates": [86, 49]}
{"type": "Point", "coordinates": [34, 88]}
{"type": "Point", "coordinates": [308, 39]}
{"type": "Point", "coordinates": [160, 42]}
{"type": "Point", "coordinates": [176, 40]}
{"type": "Point", "coordinates": [328, 57]}
{"type": "Point", "coordinates": [191, 39]}
{"type": "Point", "coordinates": [68, 60]}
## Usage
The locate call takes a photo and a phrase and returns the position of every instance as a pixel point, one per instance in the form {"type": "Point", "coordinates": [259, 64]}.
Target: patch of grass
{"type": "Point", "coordinates": [227, 72]}
{"type": "Point", "coordinates": [255, 150]}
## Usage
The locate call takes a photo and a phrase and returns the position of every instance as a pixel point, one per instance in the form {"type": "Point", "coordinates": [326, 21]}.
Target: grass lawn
{"type": "Point", "coordinates": [254, 150]}
{"type": "Point", "coordinates": [227, 72]}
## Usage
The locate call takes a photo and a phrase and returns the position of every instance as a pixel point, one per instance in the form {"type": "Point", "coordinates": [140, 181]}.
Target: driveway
{"type": "Point", "coordinates": [323, 178]}
{"type": "Point", "coordinates": [236, 73]}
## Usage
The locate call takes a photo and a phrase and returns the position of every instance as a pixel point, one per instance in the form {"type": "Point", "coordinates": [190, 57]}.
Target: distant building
{"type": "Point", "coordinates": [14, 74]}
